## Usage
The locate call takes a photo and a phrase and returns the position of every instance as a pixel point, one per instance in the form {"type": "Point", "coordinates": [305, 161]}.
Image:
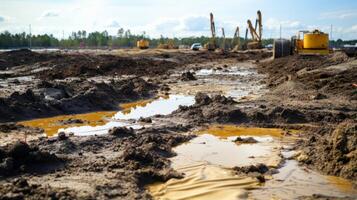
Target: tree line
{"type": "Point", "coordinates": [123, 39]}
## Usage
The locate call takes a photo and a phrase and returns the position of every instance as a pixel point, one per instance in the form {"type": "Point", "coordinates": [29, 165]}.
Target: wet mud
{"type": "Point", "coordinates": [153, 124]}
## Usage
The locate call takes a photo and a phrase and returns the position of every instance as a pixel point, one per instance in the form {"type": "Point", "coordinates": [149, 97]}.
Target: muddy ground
{"type": "Point", "coordinates": [314, 94]}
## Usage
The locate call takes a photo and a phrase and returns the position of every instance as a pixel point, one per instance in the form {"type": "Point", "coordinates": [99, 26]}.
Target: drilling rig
{"type": "Point", "coordinates": [256, 41]}
{"type": "Point", "coordinates": [211, 45]}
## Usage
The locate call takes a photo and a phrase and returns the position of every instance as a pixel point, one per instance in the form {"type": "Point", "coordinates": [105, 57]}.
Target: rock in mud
{"type": "Point", "coordinates": [121, 131]}
{"type": "Point", "coordinates": [188, 76]}
{"type": "Point", "coordinates": [248, 140]}
{"type": "Point", "coordinates": [62, 136]}
{"type": "Point", "coordinates": [259, 168]}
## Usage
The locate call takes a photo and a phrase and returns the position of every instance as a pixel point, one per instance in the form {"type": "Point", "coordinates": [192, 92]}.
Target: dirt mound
{"type": "Point", "coordinates": [333, 151]}
{"type": "Point", "coordinates": [211, 109]}
{"type": "Point", "coordinates": [23, 56]}
{"type": "Point", "coordinates": [78, 96]}
{"type": "Point", "coordinates": [314, 73]}
{"type": "Point", "coordinates": [83, 65]}
{"type": "Point", "coordinates": [20, 157]}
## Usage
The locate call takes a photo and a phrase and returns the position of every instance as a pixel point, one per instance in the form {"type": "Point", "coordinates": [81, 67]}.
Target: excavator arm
{"type": "Point", "coordinates": [255, 36]}
{"type": "Point", "coordinates": [213, 30]}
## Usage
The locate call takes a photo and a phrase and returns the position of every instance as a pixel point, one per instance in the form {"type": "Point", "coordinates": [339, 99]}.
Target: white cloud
{"type": "Point", "coordinates": [113, 24]}
{"type": "Point", "coordinates": [340, 14]}
{"type": "Point", "coordinates": [50, 14]}
{"type": "Point", "coordinates": [2, 19]}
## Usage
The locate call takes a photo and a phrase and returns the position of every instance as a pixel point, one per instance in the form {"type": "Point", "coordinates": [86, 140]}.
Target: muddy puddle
{"type": "Point", "coordinates": [97, 123]}
{"type": "Point", "coordinates": [207, 161]}
{"type": "Point", "coordinates": [240, 81]}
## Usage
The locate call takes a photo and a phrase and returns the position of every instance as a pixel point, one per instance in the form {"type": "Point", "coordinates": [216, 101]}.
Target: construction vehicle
{"type": "Point", "coordinates": [236, 45]}
{"type": "Point", "coordinates": [256, 41]}
{"type": "Point", "coordinates": [305, 43]}
{"type": "Point", "coordinates": [169, 45]}
{"type": "Point", "coordinates": [142, 44]}
{"type": "Point", "coordinates": [211, 45]}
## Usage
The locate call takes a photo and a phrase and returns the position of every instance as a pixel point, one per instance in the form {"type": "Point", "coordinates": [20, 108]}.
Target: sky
{"type": "Point", "coordinates": [180, 18]}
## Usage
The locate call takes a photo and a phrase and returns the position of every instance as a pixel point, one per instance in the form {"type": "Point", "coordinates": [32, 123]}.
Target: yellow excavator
{"type": "Point", "coordinates": [313, 42]}
{"type": "Point", "coordinates": [256, 42]}
{"type": "Point", "coordinates": [142, 44]}
{"type": "Point", "coordinates": [211, 45]}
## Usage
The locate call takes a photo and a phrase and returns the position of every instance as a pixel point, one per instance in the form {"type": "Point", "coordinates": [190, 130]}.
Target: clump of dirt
{"type": "Point", "coordinates": [23, 57]}
{"type": "Point", "coordinates": [121, 131]}
{"type": "Point", "coordinates": [51, 98]}
{"type": "Point", "coordinates": [333, 151]}
{"type": "Point", "coordinates": [188, 76]}
{"type": "Point", "coordinates": [20, 157]}
{"type": "Point", "coordinates": [256, 171]}
{"type": "Point", "coordinates": [248, 140]}
{"type": "Point", "coordinates": [211, 109]}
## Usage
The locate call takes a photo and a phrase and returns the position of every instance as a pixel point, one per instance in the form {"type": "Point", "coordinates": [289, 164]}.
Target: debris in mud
{"type": "Point", "coordinates": [20, 157]}
{"type": "Point", "coordinates": [333, 151]}
{"type": "Point", "coordinates": [188, 76]}
{"type": "Point", "coordinates": [71, 121]}
{"type": "Point", "coordinates": [248, 140]}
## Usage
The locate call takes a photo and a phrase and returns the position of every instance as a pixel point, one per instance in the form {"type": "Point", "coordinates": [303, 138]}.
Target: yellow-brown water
{"type": "Point", "coordinates": [52, 125]}
{"type": "Point", "coordinates": [97, 123]}
{"type": "Point", "coordinates": [206, 163]}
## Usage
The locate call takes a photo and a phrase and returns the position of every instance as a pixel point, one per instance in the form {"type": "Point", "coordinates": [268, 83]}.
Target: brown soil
{"type": "Point", "coordinates": [118, 165]}
{"type": "Point", "coordinates": [23, 57]}
{"type": "Point", "coordinates": [49, 98]}
{"type": "Point", "coordinates": [333, 150]}
{"type": "Point", "coordinates": [303, 92]}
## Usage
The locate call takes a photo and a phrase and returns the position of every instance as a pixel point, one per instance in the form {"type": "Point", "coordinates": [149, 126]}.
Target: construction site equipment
{"type": "Point", "coordinates": [224, 40]}
{"type": "Point", "coordinates": [281, 48]}
{"type": "Point", "coordinates": [236, 40]}
{"type": "Point", "coordinates": [311, 43]}
{"type": "Point", "coordinates": [256, 42]}
{"type": "Point", "coordinates": [142, 44]}
{"type": "Point", "coordinates": [211, 45]}
{"type": "Point", "coordinates": [169, 45]}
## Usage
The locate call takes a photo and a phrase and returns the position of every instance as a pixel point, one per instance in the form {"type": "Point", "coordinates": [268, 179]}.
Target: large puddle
{"type": "Point", "coordinates": [206, 163]}
{"type": "Point", "coordinates": [100, 122]}
{"type": "Point", "coordinates": [240, 81]}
